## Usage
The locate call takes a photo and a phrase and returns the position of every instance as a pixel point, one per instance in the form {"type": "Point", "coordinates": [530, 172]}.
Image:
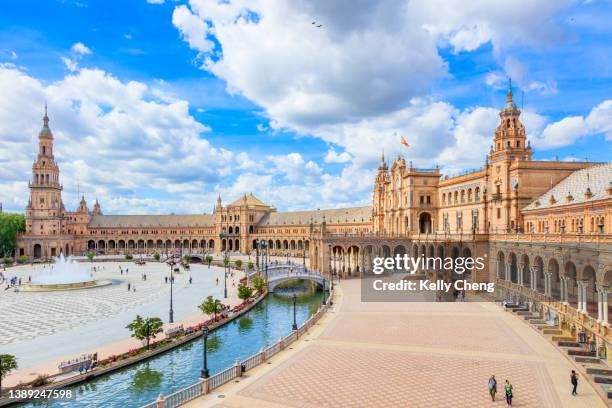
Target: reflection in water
{"type": "Point", "coordinates": [213, 343]}
{"type": "Point", "coordinates": [146, 379]}
{"type": "Point", "coordinates": [245, 323]}
{"type": "Point", "coordinates": [141, 383]}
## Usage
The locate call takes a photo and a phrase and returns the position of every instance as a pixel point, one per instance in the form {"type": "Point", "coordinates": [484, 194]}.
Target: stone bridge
{"type": "Point", "coordinates": [277, 274]}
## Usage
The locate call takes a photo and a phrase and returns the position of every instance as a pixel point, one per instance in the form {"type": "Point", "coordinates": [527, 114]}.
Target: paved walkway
{"type": "Point", "coordinates": [43, 328]}
{"type": "Point", "coordinates": [411, 355]}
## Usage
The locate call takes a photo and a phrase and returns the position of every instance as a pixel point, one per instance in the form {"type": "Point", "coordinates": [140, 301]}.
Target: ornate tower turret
{"type": "Point", "coordinates": [45, 201]}
{"type": "Point", "coordinates": [510, 141]}
{"type": "Point", "coordinates": [378, 195]}
{"type": "Point", "coordinates": [97, 210]}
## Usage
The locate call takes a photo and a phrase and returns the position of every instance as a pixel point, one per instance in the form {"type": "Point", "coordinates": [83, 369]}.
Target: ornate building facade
{"type": "Point", "coordinates": [414, 211]}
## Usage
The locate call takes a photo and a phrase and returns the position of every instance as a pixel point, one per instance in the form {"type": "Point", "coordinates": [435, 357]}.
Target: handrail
{"type": "Point", "coordinates": [205, 386]}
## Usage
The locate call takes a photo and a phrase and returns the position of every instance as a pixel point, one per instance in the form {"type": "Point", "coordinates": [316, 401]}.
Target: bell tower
{"type": "Point", "coordinates": [378, 195]}
{"type": "Point", "coordinates": [45, 208]}
{"type": "Point", "coordinates": [510, 141]}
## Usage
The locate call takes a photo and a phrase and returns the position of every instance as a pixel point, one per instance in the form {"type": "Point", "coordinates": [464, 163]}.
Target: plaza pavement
{"type": "Point", "coordinates": [409, 355]}
{"type": "Point", "coordinates": [44, 328]}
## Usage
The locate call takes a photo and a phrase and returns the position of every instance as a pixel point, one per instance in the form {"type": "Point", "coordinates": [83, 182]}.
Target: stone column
{"type": "Point", "coordinates": [547, 288]}
{"type": "Point", "coordinates": [599, 304]}
{"type": "Point", "coordinates": [520, 269]}
{"type": "Point", "coordinates": [605, 304]}
{"type": "Point", "coordinates": [534, 282]}
{"type": "Point", "coordinates": [585, 285]}
{"type": "Point", "coordinates": [508, 274]}
{"type": "Point", "coordinates": [565, 295]}
{"type": "Point", "coordinates": [579, 284]}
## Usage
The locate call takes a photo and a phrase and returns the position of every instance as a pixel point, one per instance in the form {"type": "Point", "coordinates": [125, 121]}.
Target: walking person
{"type": "Point", "coordinates": [574, 380]}
{"type": "Point", "coordinates": [492, 387]}
{"type": "Point", "coordinates": [508, 391]}
{"type": "Point", "coordinates": [129, 287]}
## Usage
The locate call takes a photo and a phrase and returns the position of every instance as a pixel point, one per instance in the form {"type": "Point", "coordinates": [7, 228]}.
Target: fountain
{"type": "Point", "coordinates": [63, 274]}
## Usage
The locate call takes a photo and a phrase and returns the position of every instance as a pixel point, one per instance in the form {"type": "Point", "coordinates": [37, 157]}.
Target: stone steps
{"type": "Point", "coordinates": [580, 352]}
{"type": "Point", "coordinates": [566, 343]}
{"type": "Point", "coordinates": [552, 331]}
{"type": "Point", "coordinates": [599, 371]}
{"type": "Point", "coordinates": [563, 338]}
{"type": "Point", "coordinates": [526, 312]}
{"type": "Point", "coordinates": [588, 360]}
{"type": "Point", "coordinates": [602, 379]}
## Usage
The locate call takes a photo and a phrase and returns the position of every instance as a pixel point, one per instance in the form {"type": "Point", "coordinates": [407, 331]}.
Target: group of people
{"type": "Point", "coordinates": [507, 390]}
{"type": "Point", "coordinates": [12, 282]}
{"type": "Point", "coordinates": [508, 387]}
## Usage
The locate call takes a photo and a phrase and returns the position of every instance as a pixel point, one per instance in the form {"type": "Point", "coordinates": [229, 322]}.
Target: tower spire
{"type": "Point", "coordinates": [509, 96]}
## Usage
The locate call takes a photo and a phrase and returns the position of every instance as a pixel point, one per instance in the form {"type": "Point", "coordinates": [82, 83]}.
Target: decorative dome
{"type": "Point", "coordinates": [45, 132]}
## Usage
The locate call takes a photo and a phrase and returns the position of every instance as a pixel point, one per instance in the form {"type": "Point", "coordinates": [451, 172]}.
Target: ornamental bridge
{"type": "Point", "coordinates": [277, 274]}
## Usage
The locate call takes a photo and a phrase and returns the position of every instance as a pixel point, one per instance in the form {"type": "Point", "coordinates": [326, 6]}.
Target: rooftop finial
{"type": "Point", "coordinates": [46, 118]}
{"type": "Point", "coordinates": [509, 89]}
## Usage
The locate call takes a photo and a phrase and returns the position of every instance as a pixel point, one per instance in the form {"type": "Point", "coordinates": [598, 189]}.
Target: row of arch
{"type": "Point", "coordinates": [141, 244]}
{"type": "Point", "coordinates": [226, 244]}
{"type": "Point", "coordinates": [354, 260]}
{"type": "Point", "coordinates": [461, 196]}
{"type": "Point", "coordinates": [562, 280]}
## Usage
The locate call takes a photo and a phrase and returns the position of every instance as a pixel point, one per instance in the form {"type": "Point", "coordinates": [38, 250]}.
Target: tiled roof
{"type": "Point", "coordinates": [597, 178]}
{"type": "Point", "coordinates": [249, 199]}
{"type": "Point", "coordinates": [136, 221]}
{"type": "Point", "coordinates": [332, 216]}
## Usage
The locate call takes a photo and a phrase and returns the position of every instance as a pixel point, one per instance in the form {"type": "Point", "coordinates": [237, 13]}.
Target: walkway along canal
{"type": "Point", "coordinates": [141, 383]}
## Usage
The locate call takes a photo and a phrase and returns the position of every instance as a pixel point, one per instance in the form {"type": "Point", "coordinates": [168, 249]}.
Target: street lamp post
{"type": "Point", "coordinates": [304, 252]}
{"type": "Point", "coordinates": [204, 373]}
{"type": "Point", "coordinates": [225, 270]}
{"type": "Point", "coordinates": [171, 319]}
{"type": "Point", "coordinates": [294, 327]}
{"type": "Point", "coordinates": [257, 253]}
{"type": "Point", "coordinates": [331, 277]}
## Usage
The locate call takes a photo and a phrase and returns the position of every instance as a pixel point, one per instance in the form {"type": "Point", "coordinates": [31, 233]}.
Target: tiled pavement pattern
{"type": "Point", "coordinates": [28, 315]}
{"type": "Point", "coordinates": [375, 378]}
{"type": "Point", "coordinates": [411, 355]}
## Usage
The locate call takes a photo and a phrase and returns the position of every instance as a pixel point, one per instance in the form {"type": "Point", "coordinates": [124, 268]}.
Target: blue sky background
{"type": "Point", "coordinates": [161, 107]}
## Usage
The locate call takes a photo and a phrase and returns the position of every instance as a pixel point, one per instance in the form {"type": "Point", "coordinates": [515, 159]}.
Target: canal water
{"type": "Point", "coordinates": [141, 383]}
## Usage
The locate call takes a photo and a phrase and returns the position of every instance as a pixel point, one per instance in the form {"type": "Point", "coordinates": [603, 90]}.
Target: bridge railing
{"type": "Point", "coordinates": [206, 386]}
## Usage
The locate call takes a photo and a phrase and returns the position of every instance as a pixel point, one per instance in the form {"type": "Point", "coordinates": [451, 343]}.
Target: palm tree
{"type": "Point", "coordinates": [209, 260]}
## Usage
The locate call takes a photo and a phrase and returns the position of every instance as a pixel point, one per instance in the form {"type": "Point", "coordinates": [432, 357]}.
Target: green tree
{"type": "Point", "coordinates": [10, 225]}
{"type": "Point", "coordinates": [257, 282]}
{"type": "Point", "coordinates": [226, 261]}
{"type": "Point", "coordinates": [156, 256]}
{"type": "Point", "coordinates": [238, 263]}
{"type": "Point", "coordinates": [23, 259]}
{"type": "Point", "coordinates": [8, 261]}
{"type": "Point", "coordinates": [8, 363]}
{"type": "Point", "coordinates": [145, 329]}
{"type": "Point", "coordinates": [209, 260]}
{"type": "Point", "coordinates": [244, 292]}
{"type": "Point", "coordinates": [210, 307]}
{"type": "Point", "coordinates": [186, 258]}
{"type": "Point", "coordinates": [90, 255]}
{"type": "Point", "coordinates": [250, 266]}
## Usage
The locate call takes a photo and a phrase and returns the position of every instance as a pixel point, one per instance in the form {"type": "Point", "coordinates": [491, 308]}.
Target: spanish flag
{"type": "Point", "coordinates": [404, 141]}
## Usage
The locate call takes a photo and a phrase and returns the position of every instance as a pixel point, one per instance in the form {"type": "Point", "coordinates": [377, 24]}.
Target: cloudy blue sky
{"type": "Point", "coordinates": [159, 106]}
